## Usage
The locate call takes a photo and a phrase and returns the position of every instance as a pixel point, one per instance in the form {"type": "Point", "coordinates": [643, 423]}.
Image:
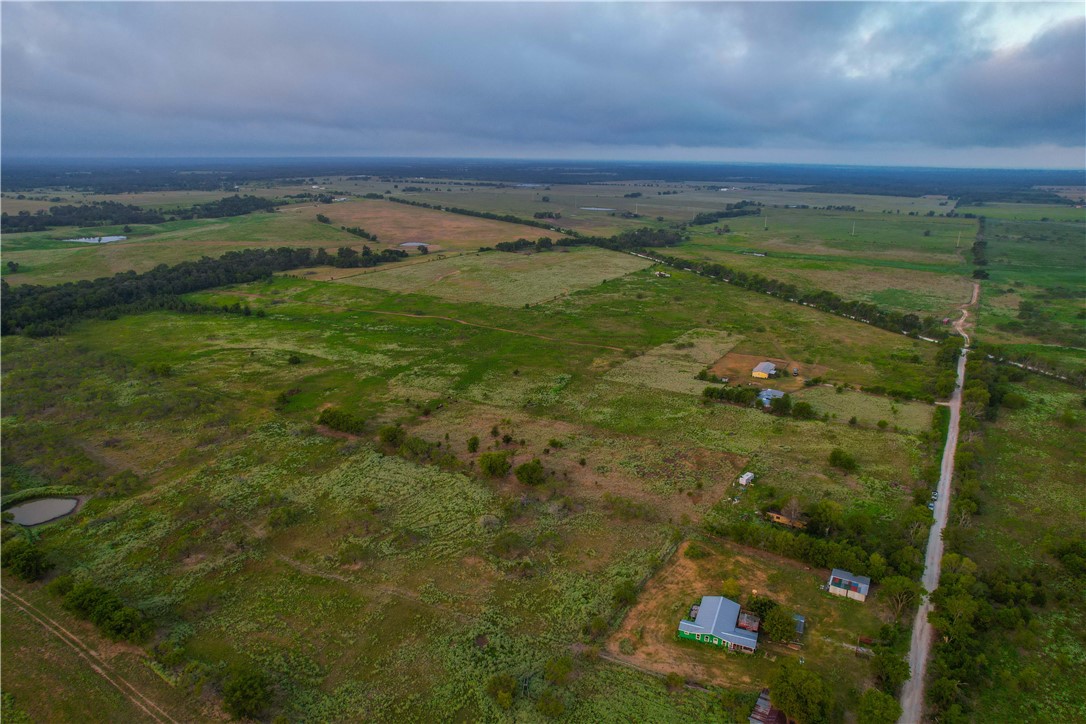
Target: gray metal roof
{"type": "Point", "coordinates": [717, 616]}
{"type": "Point", "coordinates": [770, 394]}
{"type": "Point", "coordinates": [860, 584]}
{"type": "Point", "coordinates": [765, 367]}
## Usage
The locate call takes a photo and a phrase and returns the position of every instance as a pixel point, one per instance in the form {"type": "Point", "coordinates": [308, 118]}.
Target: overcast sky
{"type": "Point", "coordinates": [940, 84]}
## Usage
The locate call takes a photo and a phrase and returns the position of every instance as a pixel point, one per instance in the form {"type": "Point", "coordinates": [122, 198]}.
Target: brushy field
{"type": "Point", "coordinates": [374, 583]}
{"type": "Point", "coordinates": [511, 280]}
{"type": "Point", "coordinates": [1032, 498]}
{"type": "Point", "coordinates": [868, 410]}
{"type": "Point", "coordinates": [674, 366]}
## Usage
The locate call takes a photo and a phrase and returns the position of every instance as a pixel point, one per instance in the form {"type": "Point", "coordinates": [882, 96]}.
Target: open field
{"type": "Point", "coordinates": [648, 630]}
{"type": "Point", "coordinates": [497, 576]}
{"type": "Point", "coordinates": [398, 223]}
{"type": "Point", "coordinates": [1027, 212]}
{"type": "Point", "coordinates": [511, 280]}
{"type": "Point", "coordinates": [868, 409]}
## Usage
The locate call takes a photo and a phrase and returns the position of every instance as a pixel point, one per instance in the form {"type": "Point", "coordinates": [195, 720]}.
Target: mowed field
{"type": "Point", "coordinates": [398, 223]}
{"type": "Point", "coordinates": [506, 279]}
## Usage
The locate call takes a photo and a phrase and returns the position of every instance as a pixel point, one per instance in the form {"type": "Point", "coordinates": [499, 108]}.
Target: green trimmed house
{"type": "Point", "coordinates": [718, 621]}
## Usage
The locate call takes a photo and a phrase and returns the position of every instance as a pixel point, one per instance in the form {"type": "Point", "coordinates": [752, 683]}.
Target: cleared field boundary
{"type": "Point", "coordinates": [96, 662]}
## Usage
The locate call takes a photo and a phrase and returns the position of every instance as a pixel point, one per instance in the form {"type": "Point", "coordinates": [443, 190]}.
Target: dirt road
{"type": "Point", "coordinates": [912, 695]}
{"type": "Point", "coordinates": [91, 657]}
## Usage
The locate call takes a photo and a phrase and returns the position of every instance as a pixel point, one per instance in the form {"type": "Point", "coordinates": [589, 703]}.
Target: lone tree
{"type": "Point", "coordinates": [779, 624]}
{"type": "Point", "coordinates": [246, 693]}
{"type": "Point", "coordinates": [841, 459]}
{"type": "Point", "coordinates": [801, 694]}
{"type": "Point", "coordinates": [901, 594]}
{"type": "Point", "coordinates": [531, 473]}
{"type": "Point", "coordinates": [494, 464]}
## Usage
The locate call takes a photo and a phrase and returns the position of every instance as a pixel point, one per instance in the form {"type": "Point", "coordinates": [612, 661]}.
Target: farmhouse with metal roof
{"type": "Point", "coordinates": [715, 621]}
{"type": "Point", "coordinates": [843, 583]}
{"type": "Point", "coordinates": [764, 370]}
{"type": "Point", "coordinates": [767, 396]}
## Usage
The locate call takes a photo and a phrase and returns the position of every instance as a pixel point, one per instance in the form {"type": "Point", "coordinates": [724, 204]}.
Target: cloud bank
{"type": "Point", "coordinates": [974, 84]}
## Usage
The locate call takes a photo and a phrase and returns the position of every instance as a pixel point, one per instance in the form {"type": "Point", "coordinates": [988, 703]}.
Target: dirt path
{"type": "Point", "coordinates": [961, 324]}
{"type": "Point", "coordinates": [912, 695]}
{"type": "Point", "coordinates": [93, 659]}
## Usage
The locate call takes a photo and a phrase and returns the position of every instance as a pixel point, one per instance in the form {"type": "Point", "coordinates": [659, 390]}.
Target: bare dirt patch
{"type": "Point", "coordinates": [737, 367]}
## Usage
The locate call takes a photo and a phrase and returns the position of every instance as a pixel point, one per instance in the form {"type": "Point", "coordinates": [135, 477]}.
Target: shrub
{"type": "Point", "coordinates": [473, 444]}
{"type": "Point", "coordinates": [550, 704]}
{"type": "Point", "coordinates": [502, 688]}
{"type": "Point", "coordinates": [341, 420]}
{"type": "Point", "coordinates": [531, 473]}
{"type": "Point", "coordinates": [696, 552]}
{"type": "Point", "coordinates": [107, 611]}
{"type": "Point", "coordinates": [246, 693]}
{"type": "Point", "coordinates": [674, 681]}
{"type": "Point", "coordinates": [294, 359]}
{"type": "Point", "coordinates": [554, 443]}
{"type": "Point", "coordinates": [25, 560]}
{"type": "Point", "coordinates": [392, 435]}
{"type": "Point", "coordinates": [558, 671]}
{"type": "Point", "coordinates": [495, 464]}
{"type": "Point", "coordinates": [841, 459]}
{"type": "Point", "coordinates": [625, 593]}
{"type": "Point", "coordinates": [779, 624]}
{"type": "Point", "coordinates": [509, 542]}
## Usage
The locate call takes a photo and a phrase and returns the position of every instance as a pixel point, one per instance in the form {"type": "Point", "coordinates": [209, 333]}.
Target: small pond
{"type": "Point", "coordinates": [414, 243]}
{"type": "Point", "coordinates": [42, 510]}
{"type": "Point", "coordinates": [97, 239]}
{"type": "Point", "coordinates": [595, 208]}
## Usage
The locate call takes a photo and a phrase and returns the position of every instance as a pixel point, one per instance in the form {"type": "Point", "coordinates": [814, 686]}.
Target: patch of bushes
{"type": "Point", "coordinates": [25, 560]}
{"type": "Point", "coordinates": [495, 464]}
{"type": "Point", "coordinates": [246, 692]}
{"type": "Point", "coordinates": [341, 420]}
{"type": "Point", "coordinates": [531, 473]}
{"type": "Point", "coordinates": [104, 609]}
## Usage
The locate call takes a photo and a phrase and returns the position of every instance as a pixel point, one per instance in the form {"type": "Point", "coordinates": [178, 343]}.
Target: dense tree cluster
{"type": "Point", "coordinates": [40, 310]}
{"type": "Point", "coordinates": [348, 258]}
{"type": "Point", "coordinates": [543, 243]}
{"type": "Point", "coordinates": [359, 231]}
{"type": "Point", "coordinates": [112, 213]}
{"type": "Point", "coordinates": [99, 213]}
{"type": "Point", "coordinates": [342, 420]}
{"type": "Point", "coordinates": [104, 609]}
{"type": "Point", "coordinates": [25, 560]}
{"type": "Point", "coordinates": [731, 211]}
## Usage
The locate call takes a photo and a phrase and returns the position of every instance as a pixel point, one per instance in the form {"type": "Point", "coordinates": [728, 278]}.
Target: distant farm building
{"type": "Point", "coordinates": [764, 370]}
{"type": "Point", "coordinates": [718, 621]}
{"type": "Point", "coordinates": [843, 583]}
{"type": "Point", "coordinates": [746, 479]}
{"type": "Point", "coordinates": [801, 624]}
{"type": "Point", "coordinates": [663, 275]}
{"type": "Point", "coordinates": [767, 396]}
{"type": "Point", "coordinates": [779, 517]}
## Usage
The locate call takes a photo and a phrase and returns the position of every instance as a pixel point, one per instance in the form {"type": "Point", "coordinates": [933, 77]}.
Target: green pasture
{"type": "Point", "coordinates": [501, 278]}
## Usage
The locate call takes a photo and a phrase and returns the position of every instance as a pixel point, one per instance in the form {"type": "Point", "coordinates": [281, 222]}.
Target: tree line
{"type": "Point", "coordinates": [823, 300]}
{"type": "Point", "coordinates": [508, 218]}
{"type": "Point", "coordinates": [112, 213]}
{"type": "Point", "coordinates": [731, 211]}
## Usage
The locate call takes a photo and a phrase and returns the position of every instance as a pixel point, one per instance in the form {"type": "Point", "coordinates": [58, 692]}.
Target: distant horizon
{"type": "Point", "coordinates": [167, 160]}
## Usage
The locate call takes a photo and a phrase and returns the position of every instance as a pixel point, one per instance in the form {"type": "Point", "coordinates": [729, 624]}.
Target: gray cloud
{"type": "Point", "coordinates": [590, 79]}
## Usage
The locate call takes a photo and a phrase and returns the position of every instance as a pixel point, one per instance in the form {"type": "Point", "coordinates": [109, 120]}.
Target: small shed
{"type": "Point", "coordinates": [843, 583]}
{"type": "Point", "coordinates": [764, 370]}
{"type": "Point", "coordinates": [746, 479]}
{"type": "Point", "coordinates": [767, 396]}
{"type": "Point", "coordinates": [765, 713]}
